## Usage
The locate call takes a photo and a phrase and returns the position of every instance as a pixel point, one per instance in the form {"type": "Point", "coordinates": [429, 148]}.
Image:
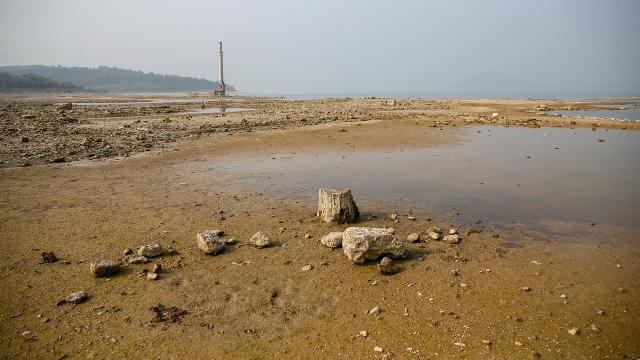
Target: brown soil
{"type": "Point", "coordinates": [258, 303]}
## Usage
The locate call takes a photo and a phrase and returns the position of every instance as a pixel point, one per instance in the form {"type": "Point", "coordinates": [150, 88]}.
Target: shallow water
{"type": "Point", "coordinates": [213, 110]}
{"type": "Point", "coordinates": [500, 175]}
{"type": "Point", "coordinates": [626, 111]}
{"type": "Point", "coordinates": [148, 102]}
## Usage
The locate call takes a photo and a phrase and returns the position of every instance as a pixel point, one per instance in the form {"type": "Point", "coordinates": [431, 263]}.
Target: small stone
{"type": "Point", "coordinates": [77, 297]}
{"type": "Point", "coordinates": [595, 328]}
{"type": "Point", "coordinates": [261, 240]}
{"type": "Point", "coordinates": [601, 312]}
{"type": "Point", "coordinates": [104, 267]}
{"type": "Point", "coordinates": [308, 267]}
{"type": "Point", "coordinates": [413, 238]}
{"type": "Point", "coordinates": [48, 257]}
{"type": "Point", "coordinates": [363, 333]}
{"type": "Point", "coordinates": [563, 296]}
{"type": "Point", "coordinates": [229, 241]}
{"type": "Point", "coordinates": [434, 235]}
{"type": "Point", "coordinates": [127, 251]}
{"type": "Point", "coordinates": [332, 239]}
{"type": "Point", "coordinates": [157, 268]}
{"type": "Point", "coordinates": [618, 266]}
{"type": "Point", "coordinates": [455, 272]}
{"type": "Point", "coordinates": [209, 242]}
{"type": "Point", "coordinates": [518, 343]}
{"type": "Point", "coordinates": [451, 239]}
{"type": "Point", "coordinates": [307, 236]}
{"type": "Point", "coordinates": [412, 218]}
{"type": "Point", "coordinates": [525, 288]}
{"type": "Point", "coordinates": [136, 259]}
{"type": "Point", "coordinates": [393, 217]}
{"type": "Point", "coordinates": [378, 349]}
{"type": "Point", "coordinates": [453, 231]}
{"type": "Point", "coordinates": [387, 266]}
{"type": "Point", "coordinates": [218, 232]}
{"type": "Point", "coordinates": [486, 342]}
{"type": "Point", "coordinates": [152, 276]}
{"type": "Point", "coordinates": [574, 331]}
{"type": "Point", "coordinates": [375, 310]}
{"type": "Point", "coordinates": [150, 250]}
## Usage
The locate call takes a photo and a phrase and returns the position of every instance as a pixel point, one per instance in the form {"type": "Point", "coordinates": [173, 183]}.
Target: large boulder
{"type": "Point", "coordinates": [363, 243]}
{"type": "Point", "coordinates": [337, 206]}
{"type": "Point", "coordinates": [209, 242]}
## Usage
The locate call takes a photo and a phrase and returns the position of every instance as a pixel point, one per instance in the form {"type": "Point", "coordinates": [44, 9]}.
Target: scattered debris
{"type": "Point", "coordinates": [167, 314]}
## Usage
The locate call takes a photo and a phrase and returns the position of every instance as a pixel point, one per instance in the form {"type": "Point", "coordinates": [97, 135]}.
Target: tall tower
{"type": "Point", "coordinates": [221, 88]}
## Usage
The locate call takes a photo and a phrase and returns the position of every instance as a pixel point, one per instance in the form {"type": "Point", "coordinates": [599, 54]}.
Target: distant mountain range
{"type": "Point", "coordinates": [102, 78]}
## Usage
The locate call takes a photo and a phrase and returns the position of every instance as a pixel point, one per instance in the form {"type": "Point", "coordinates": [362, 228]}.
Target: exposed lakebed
{"type": "Point", "coordinates": [501, 175]}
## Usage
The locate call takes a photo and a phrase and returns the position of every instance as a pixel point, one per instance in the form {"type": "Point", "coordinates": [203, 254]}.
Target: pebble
{"type": "Point", "coordinates": [574, 331]}
{"type": "Point", "coordinates": [453, 231]}
{"type": "Point", "coordinates": [308, 236]}
{"type": "Point", "coordinates": [48, 257]}
{"type": "Point", "coordinates": [461, 344]}
{"type": "Point", "coordinates": [363, 333]}
{"type": "Point", "coordinates": [104, 267]}
{"type": "Point", "coordinates": [413, 238]}
{"type": "Point", "coordinates": [393, 217]}
{"type": "Point", "coordinates": [136, 259]}
{"type": "Point", "coordinates": [77, 297]}
{"type": "Point", "coordinates": [525, 288]}
{"type": "Point", "coordinates": [152, 276]}
{"type": "Point", "coordinates": [261, 240]}
{"type": "Point", "coordinates": [595, 328]}
{"type": "Point", "coordinates": [518, 343]}
{"type": "Point", "coordinates": [150, 250]}
{"type": "Point", "coordinates": [375, 310]}
{"type": "Point", "coordinates": [386, 266]}
{"type": "Point", "coordinates": [378, 349]}
{"type": "Point", "coordinates": [412, 218]}
{"type": "Point", "coordinates": [156, 268]}
{"type": "Point", "coordinates": [307, 267]}
{"type": "Point", "coordinates": [451, 239]}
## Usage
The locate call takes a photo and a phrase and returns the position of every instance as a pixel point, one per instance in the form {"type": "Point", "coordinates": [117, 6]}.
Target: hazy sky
{"type": "Point", "coordinates": [341, 46]}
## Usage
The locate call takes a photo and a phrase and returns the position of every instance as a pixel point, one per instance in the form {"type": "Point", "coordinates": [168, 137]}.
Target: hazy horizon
{"type": "Point", "coordinates": [501, 47]}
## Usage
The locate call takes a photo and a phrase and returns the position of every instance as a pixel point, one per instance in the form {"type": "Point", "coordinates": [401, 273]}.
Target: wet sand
{"type": "Point", "coordinates": [258, 303]}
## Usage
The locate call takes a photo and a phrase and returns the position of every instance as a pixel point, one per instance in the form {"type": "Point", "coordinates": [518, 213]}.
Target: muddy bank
{"type": "Point", "coordinates": [54, 129]}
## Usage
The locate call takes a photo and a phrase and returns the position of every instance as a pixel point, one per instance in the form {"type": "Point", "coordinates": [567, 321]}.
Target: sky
{"type": "Point", "coordinates": [366, 46]}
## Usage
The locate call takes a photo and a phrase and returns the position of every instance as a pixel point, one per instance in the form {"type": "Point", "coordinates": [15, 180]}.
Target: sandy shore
{"type": "Point", "coordinates": [138, 184]}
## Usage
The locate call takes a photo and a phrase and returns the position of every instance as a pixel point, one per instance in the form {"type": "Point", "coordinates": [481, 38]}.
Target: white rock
{"type": "Point", "coordinates": [375, 310]}
{"type": "Point", "coordinates": [362, 243]}
{"type": "Point", "coordinates": [378, 349]}
{"type": "Point", "coordinates": [574, 331]}
{"type": "Point", "coordinates": [363, 333]}
{"type": "Point", "coordinates": [307, 267]}
{"type": "Point", "coordinates": [434, 235]}
{"type": "Point", "coordinates": [451, 239]}
{"type": "Point", "coordinates": [494, 115]}
{"type": "Point", "coordinates": [77, 297]}
{"type": "Point", "coordinates": [332, 239]}
{"type": "Point", "coordinates": [414, 237]}
{"type": "Point", "coordinates": [261, 240]}
{"type": "Point", "coordinates": [104, 267]}
{"type": "Point", "coordinates": [150, 250]}
{"type": "Point", "coordinates": [209, 242]}
{"type": "Point", "coordinates": [453, 231]}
